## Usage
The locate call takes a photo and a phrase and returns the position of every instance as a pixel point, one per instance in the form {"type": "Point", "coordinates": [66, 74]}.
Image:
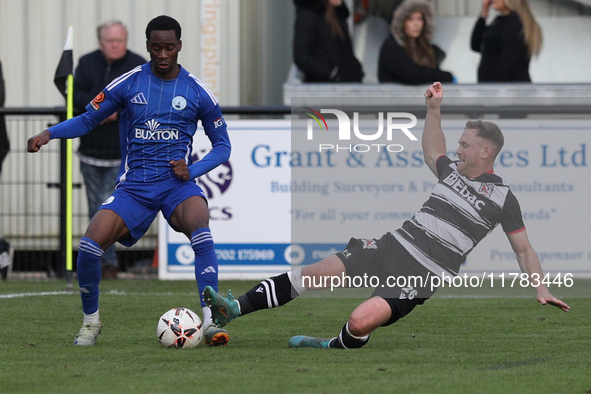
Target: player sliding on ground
{"type": "Point", "coordinates": [466, 204]}
{"type": "Point", "coordinates": [160, 104]}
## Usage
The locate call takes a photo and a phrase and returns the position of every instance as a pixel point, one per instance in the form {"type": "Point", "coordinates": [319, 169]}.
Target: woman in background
{"type": "Point", "coordinates": [508, 43]}
{"type": "Point", "coordinates": [322, 48]}
{"type": "Point", "coordinates": [408, 56]}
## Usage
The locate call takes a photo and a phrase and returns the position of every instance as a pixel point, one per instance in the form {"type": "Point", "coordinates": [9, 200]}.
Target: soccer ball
{"type": "Point", "coordinates": [181, 328]}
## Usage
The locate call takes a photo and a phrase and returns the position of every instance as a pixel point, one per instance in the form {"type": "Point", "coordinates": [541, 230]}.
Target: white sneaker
{"type": "Point", "coordinates": [88, 333]}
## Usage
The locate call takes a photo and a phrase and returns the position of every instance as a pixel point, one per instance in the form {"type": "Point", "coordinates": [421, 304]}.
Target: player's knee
{"type": "Point", "coordinates": [359, 326]}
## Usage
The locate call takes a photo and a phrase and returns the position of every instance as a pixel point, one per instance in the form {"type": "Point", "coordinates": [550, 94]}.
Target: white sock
{"type": "Point", "coordinates": [92, 318]}
{"type": "Point", "coordinates": [295, 277]}
{"type": "Point", "coordinates": [206, 316]}
{"type": "Point", "coordinates": [363, 338]}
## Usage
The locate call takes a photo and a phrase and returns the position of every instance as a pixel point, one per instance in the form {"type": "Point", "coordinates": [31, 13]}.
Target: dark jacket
{"type": "Point", "coordinates": [505, 55]}
{"type": "Point", "coordinates": [92, 75]}
{"type": "Point", "coordinates": [4, 143]}
{"type": "Point", "coordinates": [2, 91]}
{"type": "Point", "coordinates": [396, 66]}
{"type": "Point", "coordinates": [316, 52]}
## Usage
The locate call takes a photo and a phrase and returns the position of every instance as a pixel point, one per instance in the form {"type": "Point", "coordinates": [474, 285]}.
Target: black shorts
{"type": "Point", "coordinates": [400, 280]}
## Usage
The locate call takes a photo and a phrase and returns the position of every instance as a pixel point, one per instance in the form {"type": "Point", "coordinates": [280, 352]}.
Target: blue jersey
{"type": "Point", "coordinates": [157, 122]}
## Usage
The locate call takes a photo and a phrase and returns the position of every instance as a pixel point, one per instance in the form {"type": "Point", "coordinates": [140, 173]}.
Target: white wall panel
{"type": "Point", "coordinates": [33, 32]}
{"type": "Point", "coordinates": [451, 8]}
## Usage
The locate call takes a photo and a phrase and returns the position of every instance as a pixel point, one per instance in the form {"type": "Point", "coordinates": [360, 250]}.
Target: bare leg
{"type": "Point", "coordinates": [190, 215]}
{"type": "Point", "coordinates": [105, 228]}
{"type": "Point", "coordinates": [368, 316]}
{"type": "Point", "coordinates": [330, 266]}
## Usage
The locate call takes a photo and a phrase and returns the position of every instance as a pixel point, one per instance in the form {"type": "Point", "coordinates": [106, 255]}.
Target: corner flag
{"type": "Point", "coordinates": [65, 66]}
{"type": "Point", "coordinates": [64, 80]}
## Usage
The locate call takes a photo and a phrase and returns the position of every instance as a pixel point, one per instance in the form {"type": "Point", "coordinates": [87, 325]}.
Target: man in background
{"type": "Point", "coordinates": [99, 151]}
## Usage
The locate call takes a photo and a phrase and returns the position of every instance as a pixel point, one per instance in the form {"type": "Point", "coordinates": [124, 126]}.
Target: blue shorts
{"type": "Point", "coordinates": [138, 203]}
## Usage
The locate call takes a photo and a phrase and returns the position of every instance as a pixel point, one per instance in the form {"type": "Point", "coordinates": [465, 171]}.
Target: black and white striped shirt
{"type": "Point", "coordinates": [460, 212]}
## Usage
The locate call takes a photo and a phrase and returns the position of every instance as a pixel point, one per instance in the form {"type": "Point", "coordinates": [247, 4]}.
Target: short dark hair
{"type": "Point", "coordinates": [489, 131]}
{"type": "Point", "coordinates": [163, 22]}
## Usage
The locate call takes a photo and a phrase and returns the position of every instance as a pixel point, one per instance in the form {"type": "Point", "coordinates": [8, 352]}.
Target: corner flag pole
{"type": "Point", "coordinates": [69, 180]}
{"type": "Point", "coordinates": [64, 80]}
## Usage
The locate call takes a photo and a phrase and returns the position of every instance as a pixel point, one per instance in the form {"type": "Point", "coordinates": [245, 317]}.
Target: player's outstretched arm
{"type": "Point", "coordinates": [433, 140]}
{"type": "Point", "coordinates": [36, 142]}
{"type": "Point", "coordinates": [529, 264]}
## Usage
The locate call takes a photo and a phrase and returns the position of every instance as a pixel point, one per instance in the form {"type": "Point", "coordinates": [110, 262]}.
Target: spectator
{"type": "Point", "coordinates": [4, 144]}
{"type": "Point", "coordinates": [99, 151]}
{"type": "Point", "coordinates": [508, 43]}
{"type": "Point", "coordinates": [322, 48]}
{"type": "Point", "coordinates": [407, 55]}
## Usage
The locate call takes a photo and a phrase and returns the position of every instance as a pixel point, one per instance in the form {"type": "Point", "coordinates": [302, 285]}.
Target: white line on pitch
{"type": "Point", "coordinates": [109, 292]}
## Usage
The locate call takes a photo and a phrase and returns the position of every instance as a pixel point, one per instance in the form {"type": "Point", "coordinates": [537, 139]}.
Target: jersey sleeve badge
{"type": "Point", "coordinates": [95, 103]}
{"type": "Point", "coordinates": [219, 122]}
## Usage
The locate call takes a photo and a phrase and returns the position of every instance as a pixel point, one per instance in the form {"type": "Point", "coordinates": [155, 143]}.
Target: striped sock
{"type": "Point", "coordinates": [206, 261]}
{"type": "Point", "coordinates": [270, 293]}
{"type": "Point", "coordinates": [89, 274]}
{"type": "Point", "coordinates": [346, 340]}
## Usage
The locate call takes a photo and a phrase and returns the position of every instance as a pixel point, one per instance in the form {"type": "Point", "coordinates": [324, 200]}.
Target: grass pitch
{"type": "Point", "coordinates": [448, 345]}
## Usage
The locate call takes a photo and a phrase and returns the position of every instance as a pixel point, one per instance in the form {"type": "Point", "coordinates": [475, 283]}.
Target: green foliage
{"type": "Point", "coordinates": [448, 345]}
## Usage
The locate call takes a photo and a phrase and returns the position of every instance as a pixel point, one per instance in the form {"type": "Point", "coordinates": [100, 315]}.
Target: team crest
{"type": "Point", "coordinates": [179, 103]}
{"type": "Point", "coordinates": [369, 244]}
{"type": "Point", "coordinates": [486, 189]}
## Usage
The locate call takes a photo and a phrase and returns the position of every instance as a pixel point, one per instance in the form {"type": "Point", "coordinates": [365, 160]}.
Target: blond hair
{"type": "Point", "coordinates": [532, 33]}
